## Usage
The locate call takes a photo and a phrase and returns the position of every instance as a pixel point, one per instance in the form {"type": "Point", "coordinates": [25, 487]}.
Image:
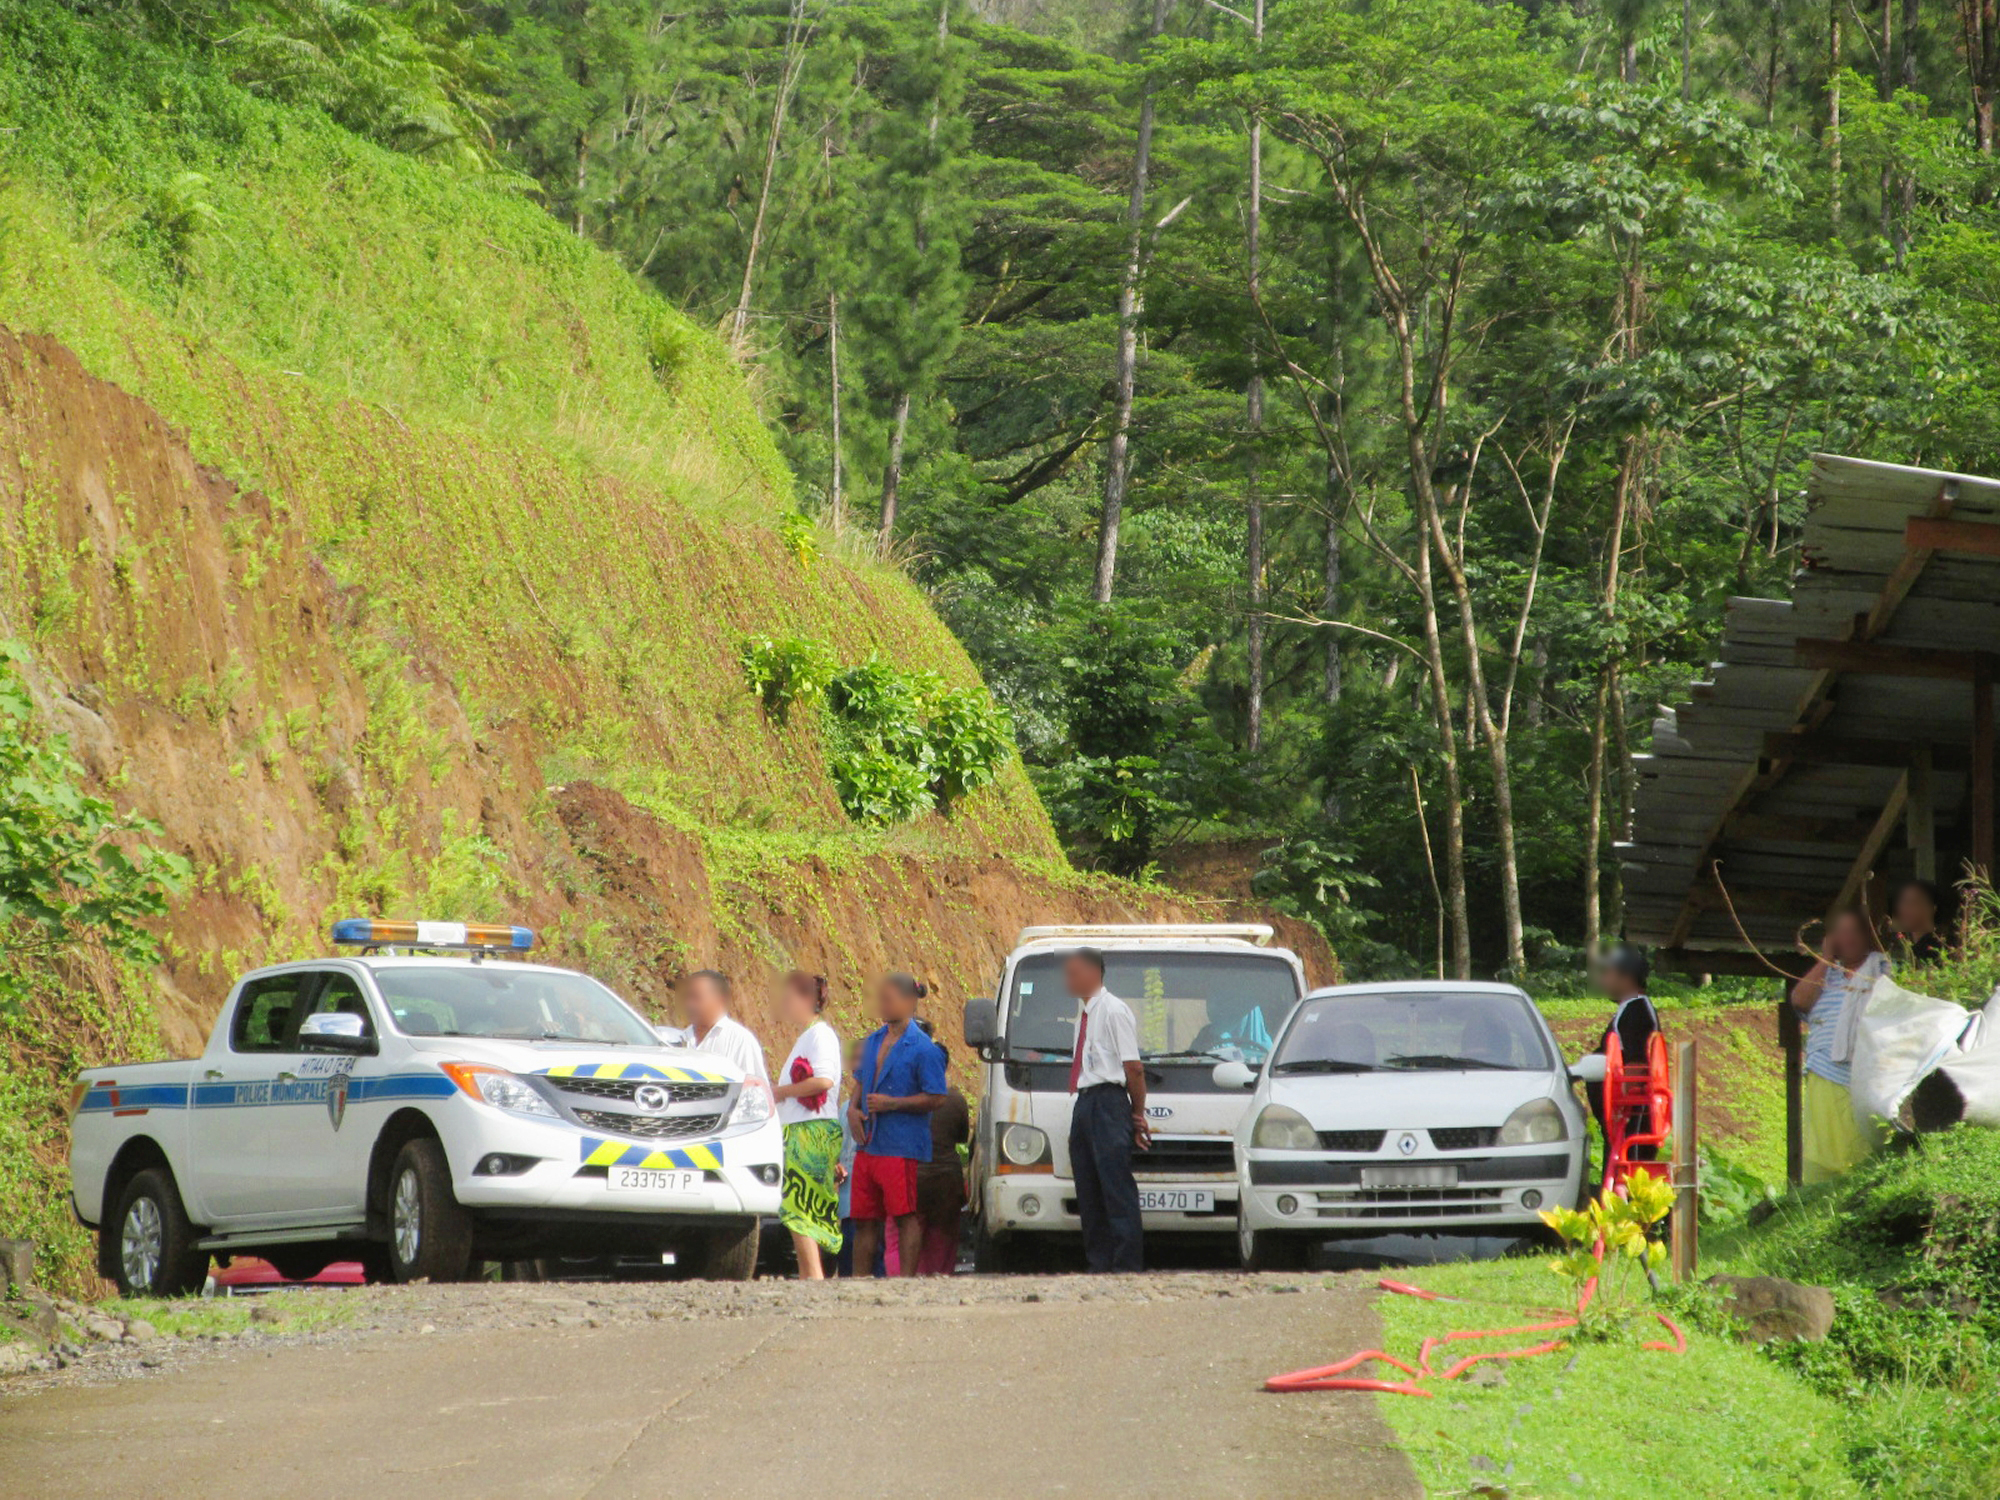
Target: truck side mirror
{"type": "Point", "coordinates": [982, 1024]}
{"type": "Point", "coordinates": [1234, 1074]}
{"type": "Point", "coordinates": [1588, 1069]}
{"type": "Point", "coordinates": [337, 1031]}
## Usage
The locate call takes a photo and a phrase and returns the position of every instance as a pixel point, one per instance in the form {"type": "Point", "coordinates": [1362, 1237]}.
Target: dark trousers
{"type": "Point", "coordinates": [1100, 1159]}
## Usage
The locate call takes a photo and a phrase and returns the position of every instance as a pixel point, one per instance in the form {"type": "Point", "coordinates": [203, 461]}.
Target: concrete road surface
{"type": "Point", "coordinates": [967, 1387]}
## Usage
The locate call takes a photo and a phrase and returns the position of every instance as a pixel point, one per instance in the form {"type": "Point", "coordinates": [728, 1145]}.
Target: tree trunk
{"type": "Point", "coordinates": [1771, 66]}
{"type": "Point", "coordinates": [1117, 465]}
{"type": "Point", "coordinates": [1329, 598]}
{"type": "Point", "coordinates": [1253, 403]}
{"type": "Point", "coordinates": [1833, 49]}
{"type": "Point", "coordinates": [1593, 817]}
{"type": "Point", "coordinates": [788, 78]}
{"type": "Point", "coordinates": [1454, 793]}
{"type": "Point", "coordinates": [836, 488]}
{"type": "Point", "coordinates": [1980, 22]}
{"type": "Point", "coordinates": [1687, 50]}
{"type": "Point", "coordinates": [892, 475]}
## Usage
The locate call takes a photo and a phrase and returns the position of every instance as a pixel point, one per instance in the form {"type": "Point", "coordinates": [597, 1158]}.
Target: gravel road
{"type": "Point", "coordinates": [967, 1386]}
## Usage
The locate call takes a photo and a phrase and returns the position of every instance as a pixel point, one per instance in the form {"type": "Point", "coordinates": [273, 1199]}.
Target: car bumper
{"type": "Point", "coordinates": [1327, 1195]}
{"type": "Point", "coordinates": [1043, 1203]}
{"type": "Point", "coordinates": [570, 1172]}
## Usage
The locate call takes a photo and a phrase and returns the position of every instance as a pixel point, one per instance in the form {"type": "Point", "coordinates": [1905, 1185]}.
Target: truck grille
{"type": "Point", "coordinates": [621, 1089]}
{"type": "Point", "coordinates": [1178, 1158]}
{"type": "Point", "coordinates": [1465, 1138]}
{"type": "Point", "coordinates": [1352, 1140]}
{"type": "Point", "coordinates": [651, 1127]}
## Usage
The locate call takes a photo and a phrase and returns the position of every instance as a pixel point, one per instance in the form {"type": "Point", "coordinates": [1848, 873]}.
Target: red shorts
{"type": "Point", "coordinates": [884, 1187]}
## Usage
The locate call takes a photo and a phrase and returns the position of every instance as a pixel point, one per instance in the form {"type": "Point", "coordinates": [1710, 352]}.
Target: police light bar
{"type": "Point", "coordinates": [371, 933]}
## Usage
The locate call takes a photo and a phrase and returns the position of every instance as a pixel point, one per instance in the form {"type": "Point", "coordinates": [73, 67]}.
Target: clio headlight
{"type": "Point", "coordinates": [1535, 1123]}
{"type": "Point", "coordinates": [1281, 1128]}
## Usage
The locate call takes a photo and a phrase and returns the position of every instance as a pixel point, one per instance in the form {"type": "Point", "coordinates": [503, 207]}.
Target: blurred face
{"type": "Point", "coordinates": [800, 1005]}
{"type": "Point", "coordinates": [706, 1004]}
{"type": "Point", "coordinates": [1915, 912]}
{"type": "Point", "coordinates": [1081, 977]}
{"type": "Point", "coordinates": [1613, 981]}
{"type": "Point", "coordinates": [1847, 939]}
{"type": "Point", "coordinates": [892, 1005]}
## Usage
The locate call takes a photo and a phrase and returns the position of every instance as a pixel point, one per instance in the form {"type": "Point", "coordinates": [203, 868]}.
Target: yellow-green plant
{"type": "Point", "coordinates": [1608, 1242]}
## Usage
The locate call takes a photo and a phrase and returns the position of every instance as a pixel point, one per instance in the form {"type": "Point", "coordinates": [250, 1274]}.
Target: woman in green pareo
{"type": "Point", "coordinates": [808, 1094]}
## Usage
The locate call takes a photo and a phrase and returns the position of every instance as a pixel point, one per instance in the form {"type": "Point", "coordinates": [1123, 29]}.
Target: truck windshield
{"type": "Point", "coordinates": [517, 1004]}
{"type": "Point", "coordinates": [1193, 1006]}
{"type": "Point", "coordinates": [1413, 1032]}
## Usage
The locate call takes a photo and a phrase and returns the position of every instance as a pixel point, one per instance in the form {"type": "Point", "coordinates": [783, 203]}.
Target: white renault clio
{"type": "Point", "coordinates": [1417, 1107]}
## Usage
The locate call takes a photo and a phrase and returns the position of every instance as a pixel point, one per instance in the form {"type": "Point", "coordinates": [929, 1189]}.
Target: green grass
{"type": "Point", "coordinates": [1603, 1419]}
{"type": "Point", "coordinates": [196, 1317]}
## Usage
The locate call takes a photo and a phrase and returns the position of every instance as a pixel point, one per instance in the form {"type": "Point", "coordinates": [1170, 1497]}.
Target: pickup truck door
{"type": "Point", "coordinates": [229, 1159]}
{"type": "Point", "coordinates": [319, 1148]}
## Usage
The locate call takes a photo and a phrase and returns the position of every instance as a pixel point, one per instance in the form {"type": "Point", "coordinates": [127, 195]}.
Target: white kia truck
{"type": "Point", "coordinates": [423, 1103]}
{"type": "Point", "coordinates": [1203, 993]}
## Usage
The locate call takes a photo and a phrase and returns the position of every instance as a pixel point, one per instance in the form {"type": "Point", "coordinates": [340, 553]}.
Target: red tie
{"type": "Point", "coordinates": [1076, 1058]}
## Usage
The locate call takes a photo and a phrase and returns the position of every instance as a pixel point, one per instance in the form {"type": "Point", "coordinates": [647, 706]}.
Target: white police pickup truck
{"type": "Point", "coordinates": [422, 1113]}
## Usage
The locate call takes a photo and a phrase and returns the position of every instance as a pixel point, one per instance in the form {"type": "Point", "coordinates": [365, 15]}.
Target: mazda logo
{"type": "Point", "coordinates": [650, 1096]}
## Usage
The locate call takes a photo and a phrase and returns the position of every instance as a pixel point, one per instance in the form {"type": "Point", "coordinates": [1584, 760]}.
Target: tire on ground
{"type": "Point", "coordinates": [726, 1252]}
{"type": "Point", "coordinates": [1264, 1250]}
{"type": "Point", "coordinates": [151, 1242]}
{"type": "Point", "coordinates": [430, 1235]}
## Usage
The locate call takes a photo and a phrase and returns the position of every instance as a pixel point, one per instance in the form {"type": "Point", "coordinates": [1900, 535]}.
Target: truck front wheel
{"type": "Point", "coordinates": [430, 1235]}
{"type": "Point", "coordinates": [153, 1252]}
{"type": "Point", "coordinates": [728, 1252]}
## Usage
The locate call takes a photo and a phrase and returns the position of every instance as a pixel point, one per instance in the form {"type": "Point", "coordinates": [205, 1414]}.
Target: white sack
{"type": "Point", "coordinates": [1900, 1037]}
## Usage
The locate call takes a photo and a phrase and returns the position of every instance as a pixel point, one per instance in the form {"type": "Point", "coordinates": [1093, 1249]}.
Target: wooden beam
{"type": "Point", "coordinates": [1920, 815]}
{"type": "Point", "coordinates": [1872, 846]}
{"type": "Point", "coordinates": [1731, 961]}
{"type": "Point", "coordinates": [1823, 749]}
{"type": "Point", "coordinates": [1909, 568]}
{"type": "Point", "coordinates": [1874, 659]}
{"type": "Point", "coordinates": [1777, 829]}
{"type": "Point", "coordinates": [1972, 538]}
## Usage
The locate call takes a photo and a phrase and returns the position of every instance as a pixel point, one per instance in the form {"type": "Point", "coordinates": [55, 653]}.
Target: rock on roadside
{"type": "Point", "coordinates": [1771, 1308]}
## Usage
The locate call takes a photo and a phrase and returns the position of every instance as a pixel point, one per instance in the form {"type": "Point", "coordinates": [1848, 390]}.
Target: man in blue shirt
{"type": "Point", "coordinates": [899, 1080]}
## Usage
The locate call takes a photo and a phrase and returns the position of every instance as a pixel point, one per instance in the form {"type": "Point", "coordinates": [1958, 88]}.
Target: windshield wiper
{"type": "Point", "coordinates": [1323, 1065]}
{"type": "Point", "coordinates": [1201, 1056]}
{"type": "Point", "coordinates": [563, 1036]}
{"type": "Point", "coordinates": [1443, 1062]}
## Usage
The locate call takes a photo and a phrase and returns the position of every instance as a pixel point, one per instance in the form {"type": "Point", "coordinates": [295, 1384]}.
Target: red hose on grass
{"type": "Point", "coordinates": [1334, 1377]}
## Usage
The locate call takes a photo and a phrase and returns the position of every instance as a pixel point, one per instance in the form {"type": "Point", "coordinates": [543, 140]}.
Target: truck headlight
{"type": "Point", "coordinates": [753, 1103]}
{"type": "Point", "coordinates": [1280, 1128]}
{"type": "Point", "coordinates": [499, 1088]}
{"type": "Point", "coordinates": [1023, 1146]}
{"type": "Point", "coordinates": [1533, 1124]}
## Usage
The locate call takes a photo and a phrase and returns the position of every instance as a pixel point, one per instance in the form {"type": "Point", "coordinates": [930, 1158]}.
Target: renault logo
{"type": "Point", "coordinates": [650, 1096]}
{"type": "Point", "coordinates": [1407, 1143]}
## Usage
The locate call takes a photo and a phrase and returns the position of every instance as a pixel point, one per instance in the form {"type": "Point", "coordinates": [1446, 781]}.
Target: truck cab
{"type": "Point", "coordinates": [1203, 993]}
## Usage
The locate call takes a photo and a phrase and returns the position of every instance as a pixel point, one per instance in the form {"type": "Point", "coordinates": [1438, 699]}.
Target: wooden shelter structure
{"type": "Point", "coordinates": [1845, 736]}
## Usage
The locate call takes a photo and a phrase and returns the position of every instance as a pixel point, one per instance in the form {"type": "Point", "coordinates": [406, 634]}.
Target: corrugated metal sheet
{"type": "Point", "coordinates": [1706, 753]}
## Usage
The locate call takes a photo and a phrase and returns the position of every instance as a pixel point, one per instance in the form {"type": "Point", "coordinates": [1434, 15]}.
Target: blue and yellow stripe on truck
{"type": "Point", "coordinates": [601, 1153]}
{"type": "Point", "coordinates": [631, 1070]}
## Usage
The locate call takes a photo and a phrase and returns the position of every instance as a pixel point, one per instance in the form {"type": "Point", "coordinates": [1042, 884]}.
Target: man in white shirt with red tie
{"type": "Point", "coordinates": [1107, 1118]}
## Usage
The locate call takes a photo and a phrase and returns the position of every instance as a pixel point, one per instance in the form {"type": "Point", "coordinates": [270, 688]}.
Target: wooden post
{"type": "Point", "coordinates": [1982, 766]}
{"type": "Point", "coordinates": [1686, 1230]}
{"type": "Point", "coordinates": [1921, 815]}
{"type": "Point", "coordinates": [1792, 1039]}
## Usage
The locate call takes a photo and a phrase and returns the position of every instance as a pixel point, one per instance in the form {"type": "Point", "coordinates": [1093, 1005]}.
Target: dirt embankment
{"type": "Point", "coordinates": [316, 756]}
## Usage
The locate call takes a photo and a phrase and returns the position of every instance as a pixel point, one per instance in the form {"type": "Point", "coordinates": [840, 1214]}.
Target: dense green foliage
{"type": "Point", "coordinates": [1541, 326]}
{"type": "Point", "coordinates": [75, 887]}
{"type": "Point", "coordinates": [1910, 1245]}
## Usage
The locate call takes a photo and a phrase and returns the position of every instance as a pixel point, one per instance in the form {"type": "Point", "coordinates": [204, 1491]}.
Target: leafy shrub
{"type": "Point", "coordinates": [800, 535]}
{"type": "Point", "coordinates": [791, 670]}
{"type": "Point", "coordinates": [1316, 880]}
{"type": "Point", "coordinates": [905, 742]}
{"type": "Point", "coordinates": [1728, 1190]}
